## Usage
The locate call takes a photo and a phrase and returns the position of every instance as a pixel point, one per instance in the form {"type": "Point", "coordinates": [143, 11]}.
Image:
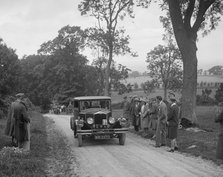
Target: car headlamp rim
{"type": "Point", "coordinates": [90, 120]}
{"type": "Point", "coordinates": [111, 120]}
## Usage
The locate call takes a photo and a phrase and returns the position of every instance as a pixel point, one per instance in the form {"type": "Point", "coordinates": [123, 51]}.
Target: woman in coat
{"type": "Point", "coordinates": [172, 123]}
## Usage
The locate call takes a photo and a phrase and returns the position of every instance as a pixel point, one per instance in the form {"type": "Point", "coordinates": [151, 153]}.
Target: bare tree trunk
{"type": "Point", "coordinates": [189, 91]}
{"type": "Point", "coordinates": [107, 73]}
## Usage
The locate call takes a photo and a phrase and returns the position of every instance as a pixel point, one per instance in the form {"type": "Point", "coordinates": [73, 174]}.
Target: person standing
{"type": "Point", "coordinates": [172, 124]}
{"type": "Point", "coordinates": [161, 123]}
{"type": "Point", "coordinates": [22, 122]}
{"type": "Point", "coordinates": [219, 119]}
{"type": "Point", "coordinates": [126, 109]}
{"type": "Point", "coordinates": [136, 114]}
{"type": "Point", "coordinates": [10, 125]}
{"type": "Point", "coordinates": [153, 114]}
{"type": "Point", "coordinates": [144, 117]}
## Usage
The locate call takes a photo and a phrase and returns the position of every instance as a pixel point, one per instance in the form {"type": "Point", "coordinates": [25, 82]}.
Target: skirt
{"type": "Point", "coordinates": [172, 132]}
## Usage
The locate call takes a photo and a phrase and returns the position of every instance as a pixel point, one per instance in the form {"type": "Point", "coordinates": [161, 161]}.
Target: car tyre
{"type": "Point", "coordinates": [122, 138]}
{"type": "Point", "coordinates": [79, 140]}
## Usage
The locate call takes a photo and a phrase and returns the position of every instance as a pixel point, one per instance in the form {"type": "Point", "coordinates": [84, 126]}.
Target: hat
{"type": "Point", "coordinates": [136, 99]}
{"type": "Point", "coordinates": [143, 100]}
{"type": "Point", "coordinates": [18, 95]}
{"type": "Point", "coordinates": [173, 98]}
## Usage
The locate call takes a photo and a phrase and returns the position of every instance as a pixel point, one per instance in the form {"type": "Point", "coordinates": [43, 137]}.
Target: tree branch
{"type": "Point", "coordinates": [189, 13]}
{"type": "Point", "coordinates": [203, 6]}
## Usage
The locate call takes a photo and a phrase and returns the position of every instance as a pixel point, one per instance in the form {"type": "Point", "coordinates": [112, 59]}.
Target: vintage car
{"type": "Point", "coordinates": [92, 117]}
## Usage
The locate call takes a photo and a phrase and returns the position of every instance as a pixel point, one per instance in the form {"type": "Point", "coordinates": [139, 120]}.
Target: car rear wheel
{"type": "Point", "coordinates": [79, 140]}
{"type": "Point", "coordinates": [122, 138]}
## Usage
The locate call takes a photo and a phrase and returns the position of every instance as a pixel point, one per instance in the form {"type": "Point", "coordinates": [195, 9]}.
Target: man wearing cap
{"type": "Point", "coordinates": [172, 123]}
{"type": "Point", "coordinates": [21, 122]}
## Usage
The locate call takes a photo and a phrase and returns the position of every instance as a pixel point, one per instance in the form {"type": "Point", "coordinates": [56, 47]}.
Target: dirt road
{"type": "Point", "coordinates": [137, 158]}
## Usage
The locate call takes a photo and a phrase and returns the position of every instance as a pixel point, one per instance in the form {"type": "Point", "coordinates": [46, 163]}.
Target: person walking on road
{"type": "Point", "coordinates": [172, 124]}
{"type": "Point", "coordinates": [161, 123]}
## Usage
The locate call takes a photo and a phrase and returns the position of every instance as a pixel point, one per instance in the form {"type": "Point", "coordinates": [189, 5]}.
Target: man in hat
{"type": "Point", "coordinates": [136, 114]}
{"type": "Point", "coordinates": [161, 123]}
{"type": "Point", "coordinates": [172, 123]}
{"type": "Point", "coordinates": [21, 121]}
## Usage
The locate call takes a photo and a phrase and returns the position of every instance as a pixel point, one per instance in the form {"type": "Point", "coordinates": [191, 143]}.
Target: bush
{"type": "Point", "coordinates": [204, 101]}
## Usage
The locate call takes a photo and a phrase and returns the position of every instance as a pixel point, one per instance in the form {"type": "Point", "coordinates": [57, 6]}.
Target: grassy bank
{"type": "Point", "coordinates": [17, 164]}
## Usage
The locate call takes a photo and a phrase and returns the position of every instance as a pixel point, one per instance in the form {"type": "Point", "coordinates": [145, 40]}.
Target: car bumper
{"type": "Point", "coordinates": [102, 131]}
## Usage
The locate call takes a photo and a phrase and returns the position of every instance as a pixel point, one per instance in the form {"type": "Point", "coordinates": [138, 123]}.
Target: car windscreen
{"type": "Point", "coordinates": [87, 104]}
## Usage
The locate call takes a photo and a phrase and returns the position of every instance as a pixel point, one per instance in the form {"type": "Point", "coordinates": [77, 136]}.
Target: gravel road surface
{"type": "Point", "coordinates": [137, 158]}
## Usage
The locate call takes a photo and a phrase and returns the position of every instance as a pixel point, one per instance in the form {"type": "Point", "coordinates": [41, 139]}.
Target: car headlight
{"type": "Point", "coordinates": [90, 120]}
{"type": "Point", "coordinates": [111, 120]}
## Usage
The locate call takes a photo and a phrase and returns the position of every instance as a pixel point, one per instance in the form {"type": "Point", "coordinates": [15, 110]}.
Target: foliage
{"type": "Point", "coordinates": [205, 98]}
{"type": "Point", "coordinates": [164, 64]}
{"type": "Point", "coordinates": [106, 37]}
{"type": "Point", "coordinates": [149, 86]}
{"type": "Point", "coordinates": [219, 93]}
{"type": "Point", "coordinates": [9, 70]}
{"type": "Point", "coordinates": [216, 70]}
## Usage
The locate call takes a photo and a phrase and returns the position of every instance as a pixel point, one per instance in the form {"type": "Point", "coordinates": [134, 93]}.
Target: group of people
{"type": "Point", "coordinates": [154, 116]}
{"type": "Point", "coordinates": [18, 123]}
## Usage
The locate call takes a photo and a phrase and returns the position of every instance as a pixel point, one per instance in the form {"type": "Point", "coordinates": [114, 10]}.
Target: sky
{"type": "Point", "coordinates": [26, 24]}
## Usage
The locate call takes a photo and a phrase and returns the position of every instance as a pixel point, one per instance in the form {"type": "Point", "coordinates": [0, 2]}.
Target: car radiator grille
{"type": "Point", "coordinates": [100, 119]}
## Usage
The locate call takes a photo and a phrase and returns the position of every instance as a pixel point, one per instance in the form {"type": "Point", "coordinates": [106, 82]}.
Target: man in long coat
{"type": "Point", "coordinates": [19, 121]}
{"type": "Point", "coordinates": [161, 123]}
{"type": "Point", "coordinates": [172, 123]}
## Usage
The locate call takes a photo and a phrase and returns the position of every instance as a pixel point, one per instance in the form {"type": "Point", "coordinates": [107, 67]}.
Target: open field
{"type": "Point", "coordinates": [140, 93]}
{"type": "Point", "coordinates": [207, 79]}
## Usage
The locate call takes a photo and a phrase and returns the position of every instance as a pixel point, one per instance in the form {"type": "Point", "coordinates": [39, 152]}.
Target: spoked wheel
{"type": "Point", "coordinates": [79, 140]}
{"type": "Point", "coordinates": [122, 138]}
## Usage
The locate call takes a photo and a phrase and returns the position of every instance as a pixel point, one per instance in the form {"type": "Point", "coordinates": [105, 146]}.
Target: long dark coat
{"type": "Point", "coordinates": [20, 118]}
{"type": "Point", "coordinates": [172, 119]}
{"type": "Point", "coordinates": [10, 125]}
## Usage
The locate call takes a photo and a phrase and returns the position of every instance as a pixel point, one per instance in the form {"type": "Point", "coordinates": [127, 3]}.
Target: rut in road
{"type": "Point", "coordinates": [137, 158]}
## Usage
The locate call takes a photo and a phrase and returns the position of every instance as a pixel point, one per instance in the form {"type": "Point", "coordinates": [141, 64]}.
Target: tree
{"type": "Point", "coordinates": [188, 17]}
{"type": "Point", "coordinates": [216, 70]}
{"type": "Point", "coordinates": [149, 86]}
{"type": "Point", "coordinates": [113, 40]}
{"type": "Point", "coordinates": [164, 64]}
{"type": "Point", "coordinates": [9, 70]}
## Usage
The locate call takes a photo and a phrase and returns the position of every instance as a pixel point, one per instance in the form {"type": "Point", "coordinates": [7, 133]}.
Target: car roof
{"type": "Point", "coordinates": [92, 98]}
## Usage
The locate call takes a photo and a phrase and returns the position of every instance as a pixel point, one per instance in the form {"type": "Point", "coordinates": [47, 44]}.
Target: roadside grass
{"type": "Point", "coordinates": [20, 164]}
{"type": "Point", "coordinates": [200, 144]}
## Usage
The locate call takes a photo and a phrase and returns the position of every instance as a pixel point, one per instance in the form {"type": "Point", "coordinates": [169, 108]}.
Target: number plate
{"type": "Point", "coordinates": [99, 137]}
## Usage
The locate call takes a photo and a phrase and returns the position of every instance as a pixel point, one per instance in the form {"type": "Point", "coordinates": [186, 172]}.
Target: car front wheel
{"type": "Point", "coordinates": [122, 138]}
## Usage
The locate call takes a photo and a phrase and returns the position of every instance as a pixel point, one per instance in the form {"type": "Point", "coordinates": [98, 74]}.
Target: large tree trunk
{"type": "Point", "coordinates": [189, 91]}
{"type": "Point", "coordinates": [186, 41]}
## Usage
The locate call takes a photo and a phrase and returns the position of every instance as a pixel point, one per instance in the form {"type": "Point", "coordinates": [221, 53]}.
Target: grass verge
{"type": "Point", "coordinates": [17, 164]}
